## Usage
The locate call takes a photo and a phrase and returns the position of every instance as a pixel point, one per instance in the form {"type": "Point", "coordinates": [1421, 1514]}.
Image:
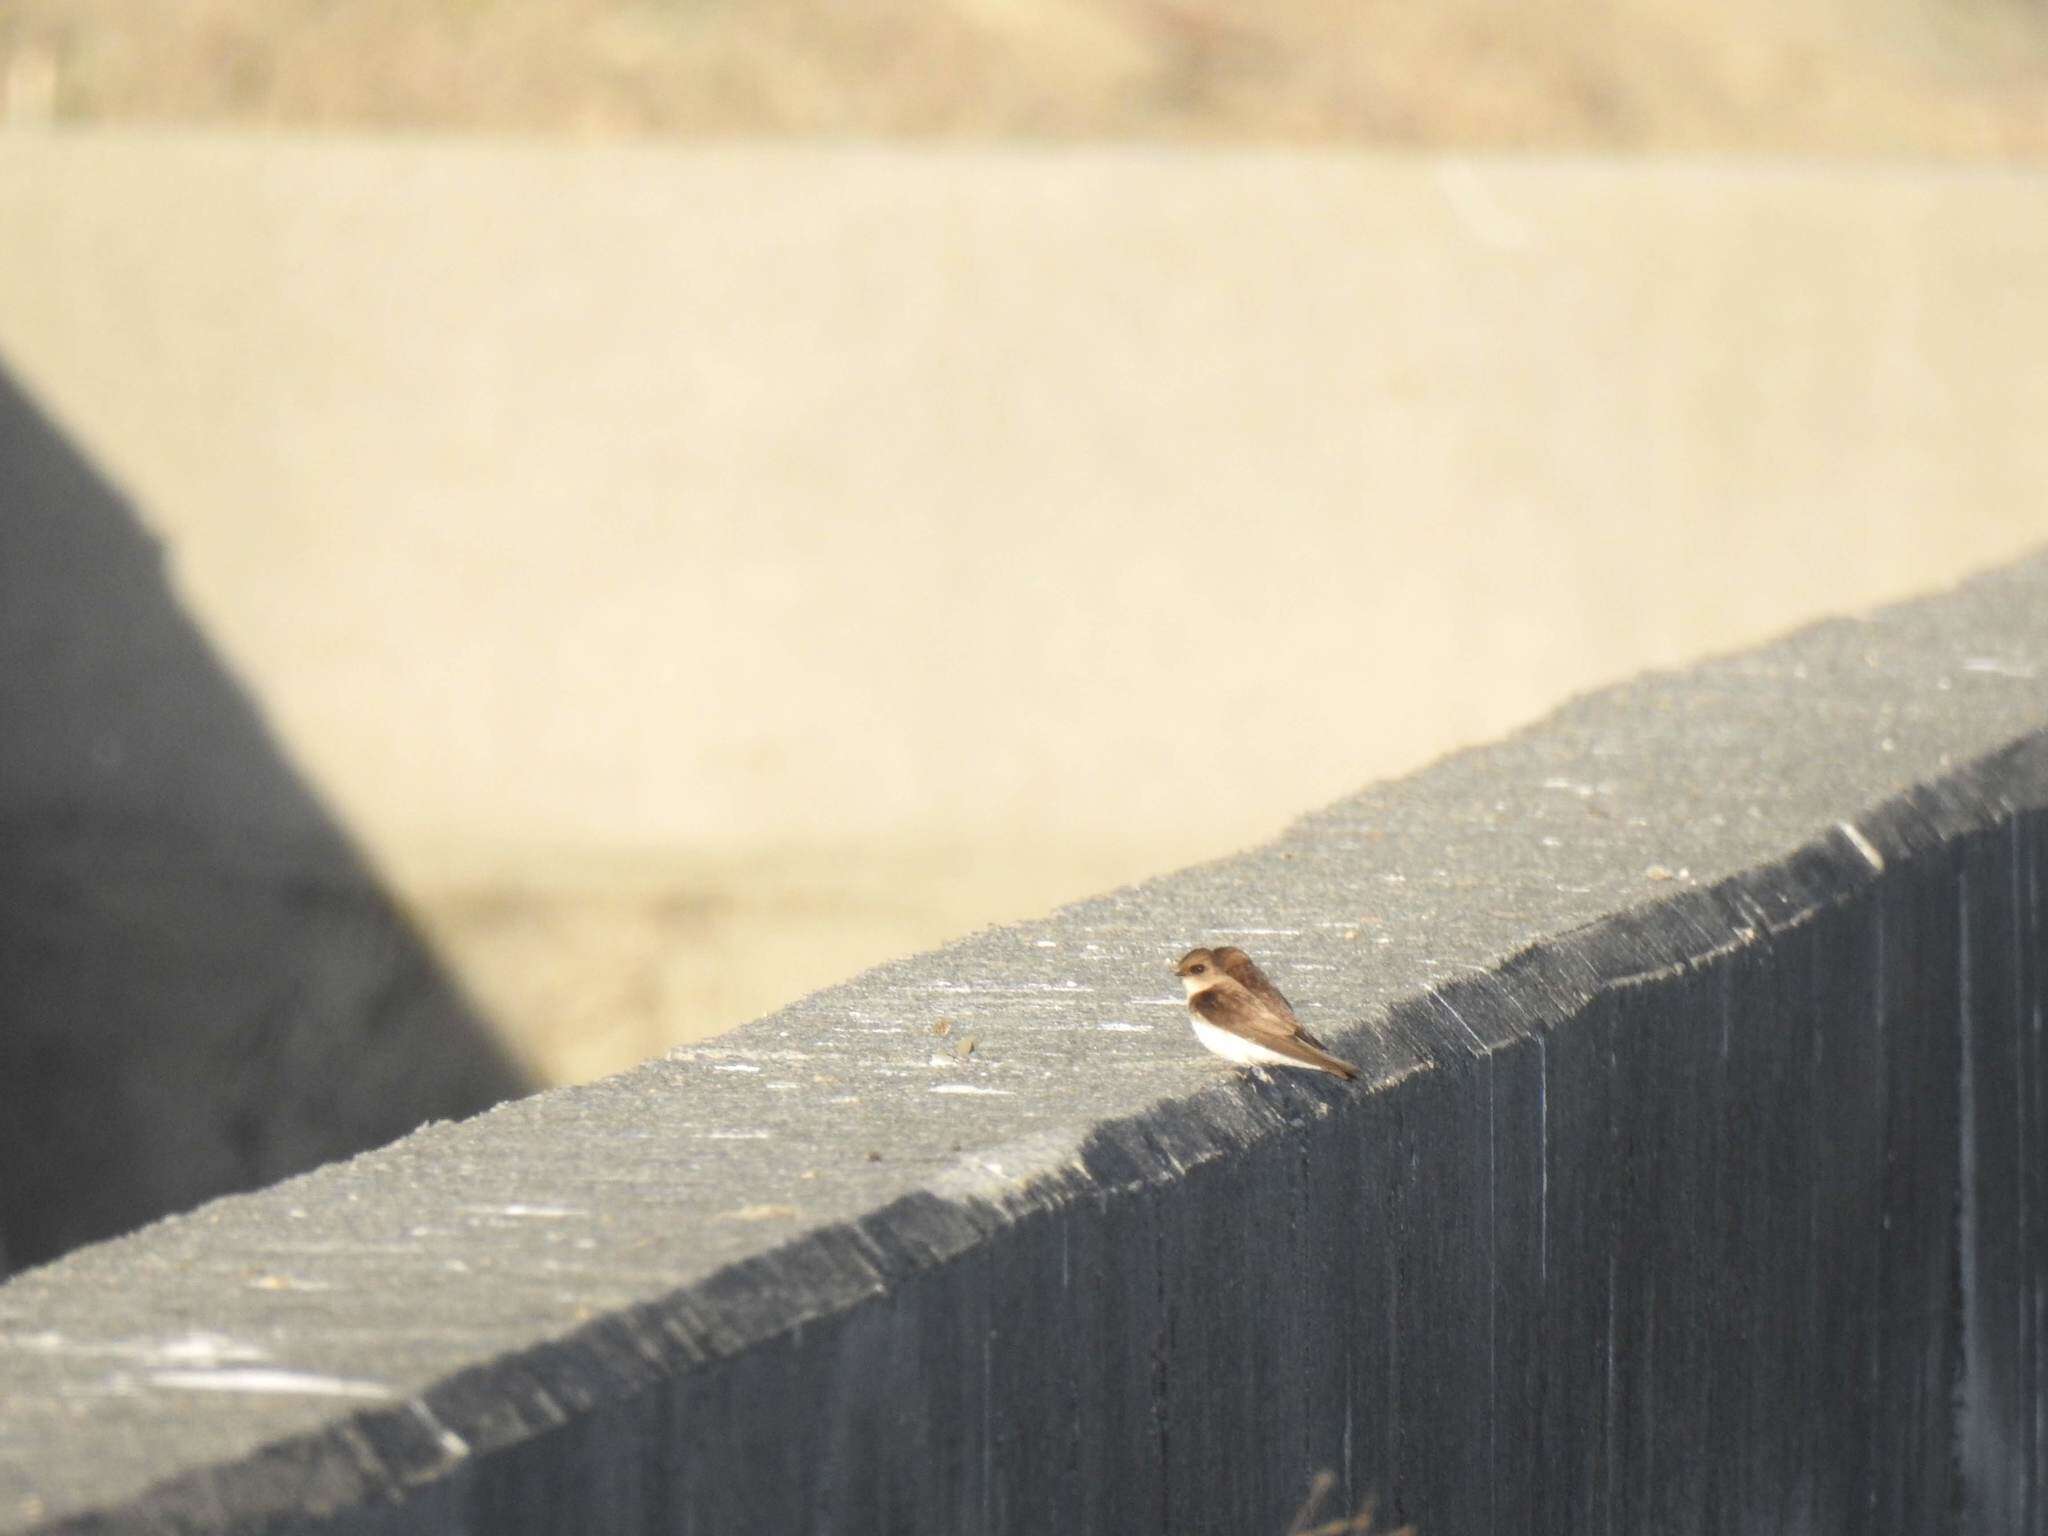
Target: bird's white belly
{"type": "Point", "coordinates": [1237, 1049]}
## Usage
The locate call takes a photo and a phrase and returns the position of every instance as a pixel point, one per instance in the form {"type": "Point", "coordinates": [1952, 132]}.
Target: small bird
{"type": "Point", "coordinates": [1241, 1016]}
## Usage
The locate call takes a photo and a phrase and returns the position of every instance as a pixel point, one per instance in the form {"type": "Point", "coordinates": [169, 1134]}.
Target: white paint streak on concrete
{"type": "Point", "coordinates": [1862, 845]}
{"type": "Point", "coordinates": [260, 1380]}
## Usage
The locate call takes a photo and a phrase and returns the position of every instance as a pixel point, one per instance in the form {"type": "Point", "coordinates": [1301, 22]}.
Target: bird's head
{"type": "Point", "coordinates": [1197, 969]}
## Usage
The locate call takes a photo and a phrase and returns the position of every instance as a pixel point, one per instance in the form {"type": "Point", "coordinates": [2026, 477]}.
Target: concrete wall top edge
{"type": "Point", "coordinates": [476, 1282]}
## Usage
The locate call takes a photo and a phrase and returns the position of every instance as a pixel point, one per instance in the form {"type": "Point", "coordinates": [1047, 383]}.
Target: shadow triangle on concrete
{"type": "Point", "coordinates": [203, 987]}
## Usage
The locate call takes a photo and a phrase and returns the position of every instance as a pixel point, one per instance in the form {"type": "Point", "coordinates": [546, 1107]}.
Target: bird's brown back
{"type": "Point", "coordinates": [1244, 970]}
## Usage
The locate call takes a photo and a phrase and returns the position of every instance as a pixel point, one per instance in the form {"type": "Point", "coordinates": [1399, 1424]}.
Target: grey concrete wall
{"type": "Point", "coordinates": [202, 988]}
{"type": "Point", "coordinates": [1694, 1184]}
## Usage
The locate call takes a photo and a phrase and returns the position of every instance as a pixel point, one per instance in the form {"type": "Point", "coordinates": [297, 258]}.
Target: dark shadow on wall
{"type": "Point", "coordinates": [202, 986]}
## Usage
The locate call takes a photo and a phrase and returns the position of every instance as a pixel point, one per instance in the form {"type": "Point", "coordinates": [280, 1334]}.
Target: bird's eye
{"type": "Point", "coordinates": [1197, 969]}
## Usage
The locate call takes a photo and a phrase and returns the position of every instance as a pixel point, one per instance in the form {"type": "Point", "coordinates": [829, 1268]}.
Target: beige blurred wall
{"type": "Point", "coordinates": [697, 572]}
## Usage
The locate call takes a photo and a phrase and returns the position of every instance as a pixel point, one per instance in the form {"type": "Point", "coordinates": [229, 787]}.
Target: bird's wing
{"type": "Point", "coordinates": [1260, 985]}
{"type": "Point", "coordinates": [1244, 970]}
{"type": "Point", "coordinates": [1244, 1015]}
{"type": "Point", "coordinates": [1238, 1009]}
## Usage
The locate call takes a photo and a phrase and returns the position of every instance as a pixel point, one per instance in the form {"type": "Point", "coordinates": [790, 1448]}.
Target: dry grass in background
{"type": "Point", "coordinates": [1942, 77]}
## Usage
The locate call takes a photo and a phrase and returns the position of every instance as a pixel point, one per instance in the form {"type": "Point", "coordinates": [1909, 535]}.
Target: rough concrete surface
{"type": "Point", "coordinates": [1694, 1184]}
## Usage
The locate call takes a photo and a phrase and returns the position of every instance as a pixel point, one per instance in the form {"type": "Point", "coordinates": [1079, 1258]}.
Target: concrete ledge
{"type": "Point", "coordinates": [1698, 1186]}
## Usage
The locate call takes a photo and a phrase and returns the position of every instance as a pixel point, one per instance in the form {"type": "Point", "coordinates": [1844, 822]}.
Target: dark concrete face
{"type": "Point", "coordinates": [1694, 1183]}
{"type": "Point", "coordinates": [202, 989]}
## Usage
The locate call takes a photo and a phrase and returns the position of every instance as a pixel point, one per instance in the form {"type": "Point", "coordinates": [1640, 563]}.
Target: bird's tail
{"type": "Point", "coordinates": [1322, 1058]}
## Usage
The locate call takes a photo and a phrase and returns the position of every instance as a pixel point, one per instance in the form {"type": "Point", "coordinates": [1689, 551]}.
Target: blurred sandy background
{"type": "Point", "coordinates": [716, 538]}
